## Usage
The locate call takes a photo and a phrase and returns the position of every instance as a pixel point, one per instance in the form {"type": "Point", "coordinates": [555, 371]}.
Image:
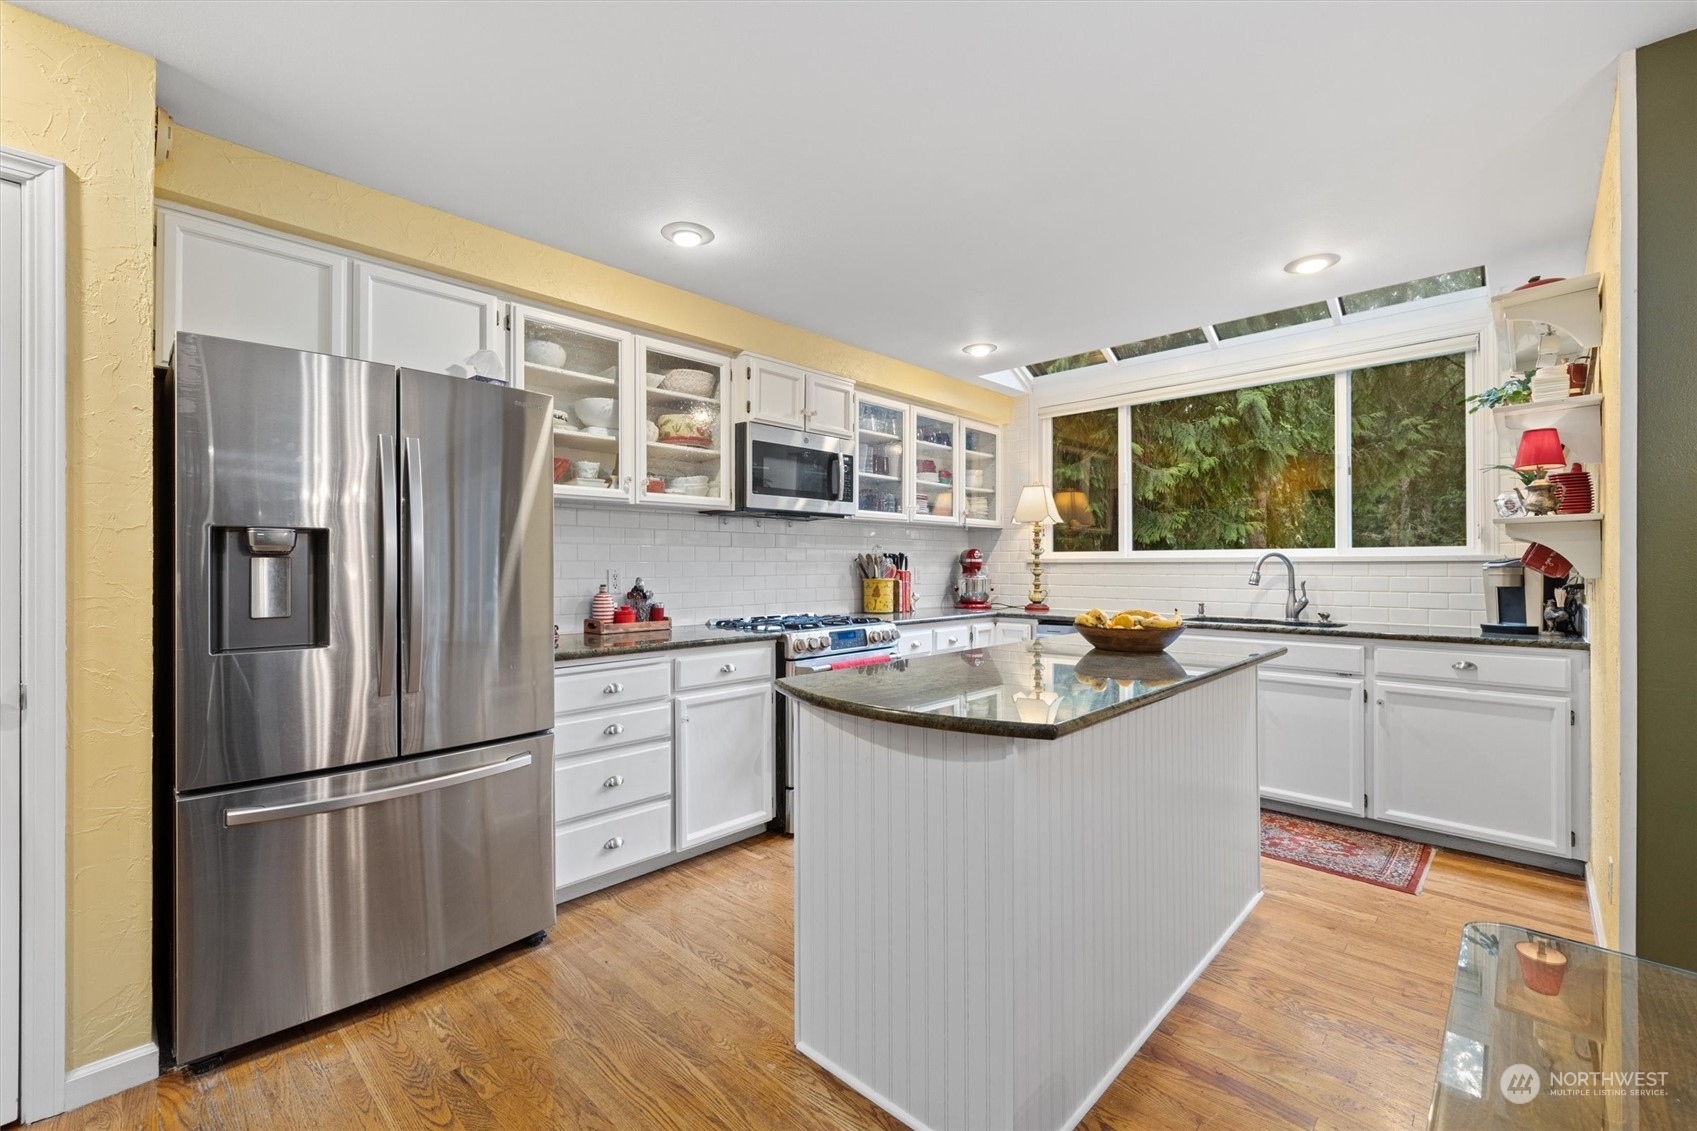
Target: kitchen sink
{"type": "Point", "coordinates": [1228, 621]}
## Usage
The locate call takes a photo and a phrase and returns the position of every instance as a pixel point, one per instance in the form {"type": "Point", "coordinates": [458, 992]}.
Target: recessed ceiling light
{"type": "Point", "coordinates": [979, 349]}
{"type": "Point", "coordinates": [687, 235]}
{"type": "Point", "coordinates": [1311, 264]}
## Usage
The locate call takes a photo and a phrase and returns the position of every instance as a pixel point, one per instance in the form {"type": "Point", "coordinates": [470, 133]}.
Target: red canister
{"type": "Point", "coordinates": [624, 614]}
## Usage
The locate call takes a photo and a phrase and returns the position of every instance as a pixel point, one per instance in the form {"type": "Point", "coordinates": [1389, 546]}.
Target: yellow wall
{"type": "Point", "coordinates": [77, 99]}
{"type": "Point", "coordinates": [217, 175]}
{"type": "Point", "coordinates": [1603, 256]}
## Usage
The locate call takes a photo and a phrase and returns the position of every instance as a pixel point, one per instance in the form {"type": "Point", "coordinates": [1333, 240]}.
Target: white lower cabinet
{"type": "Point", "coordinates": [1314, 740]}
{"type": "Point", "coordinates": [726, 767]}
{"type": "Point", "coordinates": [1480, 763]}
{"type": "Point", "coordinates": [1014, 631]}
{"type": "Point", "coordinates": [658, 756]}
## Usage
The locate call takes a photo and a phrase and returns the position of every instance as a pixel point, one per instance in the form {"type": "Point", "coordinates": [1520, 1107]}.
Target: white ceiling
{"type": "Point", "coordinates": [912, 177]}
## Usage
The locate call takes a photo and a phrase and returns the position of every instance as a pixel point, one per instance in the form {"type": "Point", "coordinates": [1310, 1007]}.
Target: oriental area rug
{"type": "Point", "coordinates": [1372, 858]}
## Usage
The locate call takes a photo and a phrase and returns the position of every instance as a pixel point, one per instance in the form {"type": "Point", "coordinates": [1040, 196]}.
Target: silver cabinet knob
{"type": "Point", "coordinates": [954, 640]}
{"type": "Point", "coordinates": [614, 728]}
{"type": "Point", "coordinates": [1465, 666]}
{"type": "Point", "coordinates": [1380, 702]}
{"type": "Point", "coordinates": [614, 782]}
{"type": "Point", "coordinates": [612, 689]}
{"type": "Point", "coordinates": [614, 842]}
{"type": "Point", "coordinates": [728, 669]}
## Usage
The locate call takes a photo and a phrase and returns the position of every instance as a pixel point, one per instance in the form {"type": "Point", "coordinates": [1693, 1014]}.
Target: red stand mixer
{"type": "Point", "coordinates": [972, 588]}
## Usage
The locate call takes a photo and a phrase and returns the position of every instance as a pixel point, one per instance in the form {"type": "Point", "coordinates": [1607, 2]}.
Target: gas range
{"type": "Point", "coordinates": [813, 635]}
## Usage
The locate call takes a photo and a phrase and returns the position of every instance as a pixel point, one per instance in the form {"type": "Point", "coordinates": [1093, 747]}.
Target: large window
{"type": "Point", "coordinates": [1268, 466]}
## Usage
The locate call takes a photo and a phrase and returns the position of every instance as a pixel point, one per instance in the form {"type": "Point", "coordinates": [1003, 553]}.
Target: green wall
{"type": "Point", "coordinates": [1667, 500]}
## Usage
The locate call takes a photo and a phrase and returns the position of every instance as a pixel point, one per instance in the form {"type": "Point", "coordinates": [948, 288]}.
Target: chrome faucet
{"type": "Point", "coordinates": [1293, 606]}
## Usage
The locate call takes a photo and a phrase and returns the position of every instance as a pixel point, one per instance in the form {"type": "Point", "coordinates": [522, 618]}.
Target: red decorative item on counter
{"type": "Point", "coordinates": [656, 612]}
{"type": "Point", "coordinates": [601, 608]}
{"type": "Point", "coordinates": [624, 614]}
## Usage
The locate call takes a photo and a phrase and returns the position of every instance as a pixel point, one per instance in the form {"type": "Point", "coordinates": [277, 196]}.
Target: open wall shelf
{"type": "Point", "coordinates": [1576, 537]}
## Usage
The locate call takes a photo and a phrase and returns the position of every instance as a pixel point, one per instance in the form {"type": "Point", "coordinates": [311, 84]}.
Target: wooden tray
{"type": "Point", "coordinates": [635, 628]}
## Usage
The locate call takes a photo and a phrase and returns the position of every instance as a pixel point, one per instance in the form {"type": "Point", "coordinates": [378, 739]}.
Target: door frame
{"type": "Point", "coordinates": [41, 1006]}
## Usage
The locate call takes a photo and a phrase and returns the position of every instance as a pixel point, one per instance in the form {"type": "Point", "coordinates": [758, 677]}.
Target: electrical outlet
{"type": "Point", "coordinates": [613, 582]}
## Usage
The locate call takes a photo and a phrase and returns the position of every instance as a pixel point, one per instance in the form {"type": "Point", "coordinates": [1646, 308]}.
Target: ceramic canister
{"type": "Point", "coordinates": [601, 608]}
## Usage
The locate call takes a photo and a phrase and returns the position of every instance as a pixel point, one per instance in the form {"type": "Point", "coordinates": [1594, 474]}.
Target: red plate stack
{"type": "Point", "coordinates": [1573, 488]}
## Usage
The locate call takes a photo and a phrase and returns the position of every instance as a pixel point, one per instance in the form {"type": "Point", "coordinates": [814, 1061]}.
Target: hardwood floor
{"type": "Point", "coordinates": [665, 1003]}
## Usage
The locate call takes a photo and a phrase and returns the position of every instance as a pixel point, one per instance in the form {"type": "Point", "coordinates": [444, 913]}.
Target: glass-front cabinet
{"type": "Point", "coordinates": [881, 471]}
{"type": "Point", "coordinates": [935, 442]}
{"type": "Point", "coordinates": [587, 369]}
{"type": "Point", "coordinates": [980, 472]}
{"type": "Point", "coordinates": [684, 454]}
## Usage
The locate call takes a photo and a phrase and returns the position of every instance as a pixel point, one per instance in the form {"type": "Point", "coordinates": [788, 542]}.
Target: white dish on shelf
{"type": "Point", "coordinates": [652, 430]}
{"type": "Point", "coordinates": [589, 483]}
{"type": "Point", "coordinates": [696, 382]}
{"type": "Point", "coordinates": [654, 380]}
{"type": "Point", "coordinates": [596, 412]}
{"type": "Point", "coordinates": [543, 352]}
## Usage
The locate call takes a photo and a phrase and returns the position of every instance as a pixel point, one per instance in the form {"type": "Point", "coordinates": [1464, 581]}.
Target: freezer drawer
{"type": "Point", "coordinates": [296, 899]}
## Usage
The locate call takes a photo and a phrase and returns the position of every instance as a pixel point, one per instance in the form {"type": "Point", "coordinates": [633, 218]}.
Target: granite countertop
{"type": "Point", "coordinates": [1045, 688]}
{"type": "Point", "coordinates": [1361, 630]}
{"type": "Point", "coordinates": [949, 612]}
{"type": "Point", "coordinates": [577, 646]}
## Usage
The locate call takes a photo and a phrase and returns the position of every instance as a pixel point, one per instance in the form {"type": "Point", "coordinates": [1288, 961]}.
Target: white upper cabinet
{"type": "Point", "coordinates": [587, 368]}
{"type": "Point", "coordinates": [418, 322]}
{"type": "Point", "coordinates": [791, 397]}
{"type": "Point", "coordinates": [684, 453]}
{"type": "Point", "coordinates": [980, 474]}
{"type": "Point", "coordinates": [777, 394]}
{"type": "Point", "coordinates": [830, 405]}
{"type": "Point", "coordinates": [233, 282]}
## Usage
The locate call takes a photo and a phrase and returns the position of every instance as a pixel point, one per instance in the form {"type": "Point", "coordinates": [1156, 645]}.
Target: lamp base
{"type": "Point", "coordinates": [1036, 608]}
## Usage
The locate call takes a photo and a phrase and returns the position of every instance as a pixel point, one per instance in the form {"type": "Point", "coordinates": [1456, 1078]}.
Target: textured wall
{"type": "Point", "coordinates": [1603, 255]}
{"type": "Point", "coordinates": [1411, 591]}
{"type": "Point", "coordinates": [703, 567]}
{"type": "Point", "coordinates": [217, 175]}
{"type": "Point", "coordinates": [89, 104]}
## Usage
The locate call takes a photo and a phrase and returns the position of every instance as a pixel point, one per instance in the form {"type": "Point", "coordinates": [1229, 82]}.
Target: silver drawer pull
{"type": "Point", "coordinates": [614, 728]}
{"type": "Point", "coordinates": [954, 640]}
{"type": "Point", "coordinates": [1465, 666]}
{"type": "Point", "coordinates": [728, 669]}
{"type": "Point", "coordinates": [614, 782]}
{"type": "Point", "coordinates": [614, 842]}
{"type": "Point", "coordinates": [612, 689]}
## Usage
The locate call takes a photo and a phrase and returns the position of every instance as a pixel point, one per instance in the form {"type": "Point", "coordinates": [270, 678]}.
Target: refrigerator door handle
{"type": "Point", "coordinates": [389, 597]}
{"type": "Point", "coordinates": [415, 565]}
{"type": "Point", "coordinates": [258, 814]}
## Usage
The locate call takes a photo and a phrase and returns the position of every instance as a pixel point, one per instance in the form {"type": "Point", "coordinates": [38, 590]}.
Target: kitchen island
{"type": "Point", "coordinates": [1011, 863]}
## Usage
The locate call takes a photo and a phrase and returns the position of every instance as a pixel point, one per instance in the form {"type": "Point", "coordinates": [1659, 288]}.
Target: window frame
{"type": "Point", "coordinates": [1471, 346]}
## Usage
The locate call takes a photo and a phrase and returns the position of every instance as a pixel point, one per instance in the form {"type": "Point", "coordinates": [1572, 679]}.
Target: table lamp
{"type": "Point", "coordinates": [1037, 507]}
{"type": "Point", "coordinates": [1540, 452]}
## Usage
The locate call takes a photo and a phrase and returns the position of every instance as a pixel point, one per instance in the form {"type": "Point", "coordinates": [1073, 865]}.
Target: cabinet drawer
{"type": "Point", "coordinates": [586, 849]}
{"type": "Point", "coordinates": [711, 667]}
{"type": "Point", "coordinates": [584, 787]}
{"type": "Point", "coordinates": [914, 642]}
{"type": "Point", "coordinates": [611, 687]}
{"type": "Point", "coordinates": [1343, 659]}
{"type": "Point", "coordinates": [581, 734]}
{"type": "Point", "coordinates": [1477, 666]}
{"type": "Point", "coordinates": [955, 637]}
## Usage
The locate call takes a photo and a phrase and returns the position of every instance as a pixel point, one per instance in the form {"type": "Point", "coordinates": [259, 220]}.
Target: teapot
{"type": "Point", "coordinates": [1538, 497]}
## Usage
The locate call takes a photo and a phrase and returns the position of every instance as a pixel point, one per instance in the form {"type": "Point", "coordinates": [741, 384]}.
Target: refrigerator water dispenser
{"type": "Point", "coordinates": [269, 588]}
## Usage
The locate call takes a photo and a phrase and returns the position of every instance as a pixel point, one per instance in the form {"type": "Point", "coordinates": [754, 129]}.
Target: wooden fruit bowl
{"type": "Point", "coordinates": [1130, 639]}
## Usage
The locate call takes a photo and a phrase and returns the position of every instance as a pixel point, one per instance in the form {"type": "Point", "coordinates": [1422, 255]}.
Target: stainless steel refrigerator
{"type": "Point", "coordinates": [361, 681]}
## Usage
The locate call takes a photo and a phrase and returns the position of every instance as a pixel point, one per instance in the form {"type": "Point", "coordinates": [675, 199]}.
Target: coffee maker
{"type": "Point", "coordinates": [972, 588]}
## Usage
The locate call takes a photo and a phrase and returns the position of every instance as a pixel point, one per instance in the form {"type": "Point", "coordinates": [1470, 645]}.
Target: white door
{"type": "Point", "coordinates": [11, 642]}
{"type": "Point", "coordinates": [1492, 765]}
{"type": "Point", "coordinates": [1314, 740]}
{"type": "Point", "coordinates": [233, 282]}
{"type": "Point", "coordinates": [416, 322]}
{"type": "Point", "coordinates": [726, 762]}
{"type": "Point", "coordinates": [830, 405]}
{"type": "Point", "coordinates": [778, 394]}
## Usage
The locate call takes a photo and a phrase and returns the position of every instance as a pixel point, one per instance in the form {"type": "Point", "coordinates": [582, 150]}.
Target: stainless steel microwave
{"type": "Point", "coordinates": [793, 472]}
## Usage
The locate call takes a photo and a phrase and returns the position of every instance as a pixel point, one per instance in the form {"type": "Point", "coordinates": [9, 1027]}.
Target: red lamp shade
{"type": "Point", "coordinates": [1540, 450]}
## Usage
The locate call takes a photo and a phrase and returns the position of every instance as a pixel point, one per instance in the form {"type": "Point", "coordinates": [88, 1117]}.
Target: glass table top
{"type": "Point", "coordinates": [1549, 1034]}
